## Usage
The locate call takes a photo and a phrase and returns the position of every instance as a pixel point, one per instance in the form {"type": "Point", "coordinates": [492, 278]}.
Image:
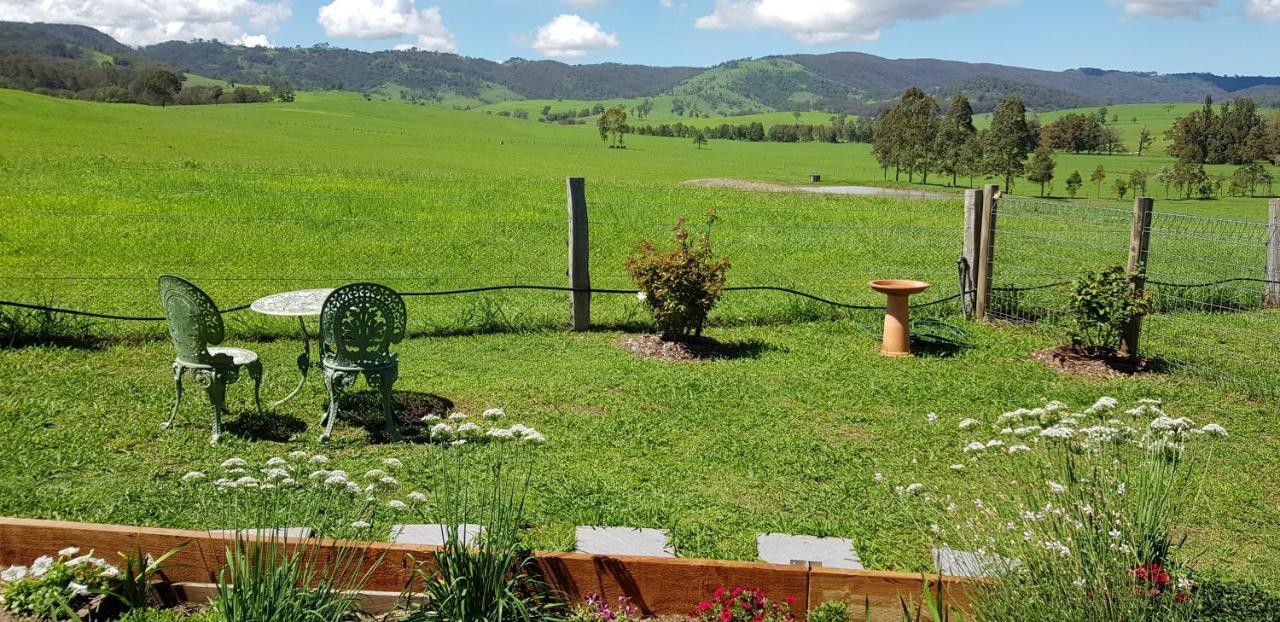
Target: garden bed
{"type": "Point", "coordinates": [658, 586]}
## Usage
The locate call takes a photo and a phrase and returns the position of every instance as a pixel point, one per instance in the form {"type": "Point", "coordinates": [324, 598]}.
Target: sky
{"type": "Point", "coordinates": [1167, 36]}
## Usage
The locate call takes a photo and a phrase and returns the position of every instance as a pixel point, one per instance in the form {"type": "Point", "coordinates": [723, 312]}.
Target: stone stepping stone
{"type": "Point", "coordinates": [957, 563]}
{"type": "Point", "coordinates": [624, 541]}
{"type": "Point", "coordinates": [782, 548]}
{"type": "Point", "coordinates": [433, 534]}
{"type": "Point", "coordinates": [286, 534]}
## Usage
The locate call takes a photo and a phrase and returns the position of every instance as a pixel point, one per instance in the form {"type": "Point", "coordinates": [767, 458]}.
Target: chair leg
{"type": "Point", "coordinates": [178, 371]}
{"type": "Point", "coordinates": [383, 381]}
{"type": "Point", "coordinates": [255, 372]}
{"type": "Point", "coordinates": [335, 381]}
{"type": "Point", "coordinates": [218, 399]}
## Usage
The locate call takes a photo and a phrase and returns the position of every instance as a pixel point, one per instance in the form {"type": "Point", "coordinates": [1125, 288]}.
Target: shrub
{"type": "Point", "coordinates": [682, 285]}
{"type": "Point", "coordinates": [53, 586]}
{"type": "Point", "coordinates": [832, 611]}
{"type": "Point", "coordinates": [1102, 304]}
{"type": "Point", "coordinates": [743, 604]}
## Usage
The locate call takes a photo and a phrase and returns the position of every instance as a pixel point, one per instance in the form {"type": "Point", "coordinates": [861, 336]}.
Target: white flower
{"type": "Point", "coordinates": [1057, 547]}
{"type": "Point", "coordinates": [1055, 487]}
{"type": "Point", "coordinates": [468, 428]}
{"type": "Point", "coordinates": [299, 455]}
{"type": "Point", "coordinates": [910, 490]}
{"type": "Point", "coordinates": [493, 413]}
{"type": "Point", "coordinates": [1030, 430]}
{"type": "Point", "coordinates": [397, 504]}
{"type": "Point", "coordinates": [319, 459]}
{"type": "Point", "coordinates": [501, 434]}
{"type": "Point", "coordinates": [41, 565]}
{"type": "Point", "coordinates": [247, 482]}
{"type": "Point", "coordinates": [995, 442]}
{"type": "Point", "coordinates": [1014, 449]}
{"type": "Point", "coordinates": [1058, 432]}
{"type": "Point", "coordinates": [534, 436]}
{"type": "Point", "coordinates": [429, 418]}
{"type": "Point", "coordinates": [13, 573]}
{"type": "Point", "coordinates": [393, 463]}
{"type": "Point", "coordinates": [974, 446]}
{"type": "Point", "coordinates": [192, 475]}
{"type": "Point", "coordinates": [1103, 404]}
{"type": "Point", "coordinates": [1028, 535]}
{"type": "Point", "coordinates": [277, 461]}
{"type": "Point", "coordinates": [461, 441]}
{"type": "Point", "coordinates": [69, 551]}
{"type": "Point", "coordinates": [354, 488]}
{"type": "Point", "coordinates": [441, 431]}
{"type": "Point", "coordinates": [374, 473]}
{"type": "Point", "coordinates": [932, 418]}
{"type": "Point", "coordinates": [234, 462]}
{"type": "Point", "coordinates": [1054, 406]}
{"type": "Point", "coordinates": [1146, 401]}
{"type": "Point", "coordinates": [320, 474]}
{"type": "Point", "coordinates": [288, 482]}
{"type": "Point", "coordinates": [336, 480]}
{"type": "Point", "coordinates": [237, 471]}
{"type": "Point", "coordinates": [457, 416]}
{"type": "Point", "coordinates": [957, 467]}
{"type": "Point", "coordinates": [965, 424]}
{"type": "Point", "coordinates": [360, 524]}
{"type": "Point", "coordinates": [276, 473]}
{"type": "Point", "coordinates": [878, 477]}
{"type": "Point", "coordinates": [641, 296]}
{"type": "Point", "coordinates": [79, 589]}
{"type": "Point", "coordinates": [1120, 489]}
{"type": "Point", "coordinates": [1214, 429]}
{"type": "Point", "coordinates": [390, 482]}
{"type": "Point", "coordinates": [417, 496]}
{"type": "Point", "coordinates": [1079, 582]}
{"type": "Point", "coordinates": [1114, 534]}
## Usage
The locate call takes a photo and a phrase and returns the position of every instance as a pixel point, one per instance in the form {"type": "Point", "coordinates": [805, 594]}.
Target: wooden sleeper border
{"type": "Point", "coordinates": [657, 585]}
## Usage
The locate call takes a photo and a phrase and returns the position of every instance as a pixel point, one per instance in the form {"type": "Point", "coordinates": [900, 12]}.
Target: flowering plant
{"type": "Point", "coordinates": [51, 585]}
{"type": "Point", "coordinates": [743, 604]}
{"type": "Point", "coordinates": [459, 429]}
{"type": "Point", "coordinates": [595, 608]}
{"type": "Point", "coordinates": [679, 286]}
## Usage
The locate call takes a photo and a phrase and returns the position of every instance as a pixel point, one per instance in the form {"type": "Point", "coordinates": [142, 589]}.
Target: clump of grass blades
{"type": "Point", "coordinates": [271, 580]}
{"type": "Point", "coordinates": [31, 327]}
{"type": "Point", "coordinates": [493, 579]}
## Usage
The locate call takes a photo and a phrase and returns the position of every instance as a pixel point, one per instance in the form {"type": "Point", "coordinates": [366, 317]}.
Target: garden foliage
{"type": "Point", "coordinates": [1102, 304]}
{"type": "Point", "coordinates": [682, 285]}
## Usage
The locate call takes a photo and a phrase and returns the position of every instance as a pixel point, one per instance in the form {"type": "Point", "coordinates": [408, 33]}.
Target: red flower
{"type": "Point", "coordinates": [1181, 597]}
{"type": "Point", "coordinates": [791, 600]}
{"type": "Point", "coordinates": [725, 615]}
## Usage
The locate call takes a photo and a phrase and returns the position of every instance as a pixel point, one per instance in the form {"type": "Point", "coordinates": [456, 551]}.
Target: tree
{"type": "Point", "coordinates": [796, 114]}
{"type": "Point", "coordinates": [215, 94]}
{"type": "Point", "coordinates": [700, 138]}
{"type": "Point", "coordinates": [1073, 183]}
{"type": "Point", "coordinates": [1138, 182]}
{"type": "Point", "coordinates": [282, 91]}
{"type": "Point", "coordinates": [971, 156]}
{"type": "Point", "coordinates": [1099, 175]}
{"type": "Point", "coordinates": [1144, 140]}
{"type": "Point", "coordinates": [1191, 137]}
{"type": "Point", "coordinates": [1122, 187]}
{"type": "Point", "coordinates": [597, 109]}
{"type": "Point", "coordinates": [956, 130]}
{"type": "Point", "coordinates": [1008, 141]}
{"type": "Point", "coordinates": [162, 85]}
{"type": "Point", "coordinates": [613, 124]}
{"type": "Point", "coordinates": [1041, 169]}
{"type": "Point", "coordinates": [1112, 140]}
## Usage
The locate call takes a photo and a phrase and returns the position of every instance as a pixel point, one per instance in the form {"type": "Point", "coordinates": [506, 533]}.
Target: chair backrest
{"type": "Point", "coordinates": [194, 321]}
{"type": "Point", "coordinates": [359, 323]}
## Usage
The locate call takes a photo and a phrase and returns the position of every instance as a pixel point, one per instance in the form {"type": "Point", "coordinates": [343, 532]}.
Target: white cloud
{"type": "Point", "coordinates": [1264, 9]}
{"type": "Point", "coordinates": [387, 19]}
{"type": "Point", "coordinates": [253, 41]}
{"type": "Point", "coordinates": [143, 22]}
{"type": "Point", "coordinates": [1165, 8]}
{"type": "Point", "coordinates": [570, 36]}
{"type": "Point", "coordinates": [826, 21]}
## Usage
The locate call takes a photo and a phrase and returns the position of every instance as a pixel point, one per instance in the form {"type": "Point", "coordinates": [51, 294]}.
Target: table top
{"type": "Point", "coordinates": [292, 304]}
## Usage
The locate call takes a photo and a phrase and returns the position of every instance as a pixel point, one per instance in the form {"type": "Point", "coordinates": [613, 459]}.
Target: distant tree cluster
{"type": "Point", "coordinates": [1087, 133]}
{"type": "Point", "coordinates": [841, 130]}
{"type": "Point", "coordinates": [121, 80]}
{"type": "Point", "coordinates": [1236, 134]}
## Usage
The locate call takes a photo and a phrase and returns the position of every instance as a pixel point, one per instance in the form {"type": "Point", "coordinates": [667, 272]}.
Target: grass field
{"type": "Point", "coordinates": [784, 436]}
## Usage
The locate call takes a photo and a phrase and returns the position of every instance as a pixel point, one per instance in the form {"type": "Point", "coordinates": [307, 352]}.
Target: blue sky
{"type": "Point", "coordinates": [1222, 36]}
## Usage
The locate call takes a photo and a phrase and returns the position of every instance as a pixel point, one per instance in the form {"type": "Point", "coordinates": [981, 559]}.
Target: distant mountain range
{"type": "Point", "coordinates": [839, 82]}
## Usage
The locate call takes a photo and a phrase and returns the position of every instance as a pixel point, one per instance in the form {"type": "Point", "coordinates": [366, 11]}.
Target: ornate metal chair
{"type": "Point", "coordinates": [194, 326]}
{"type": "Point", "coordinates": [358, 325]}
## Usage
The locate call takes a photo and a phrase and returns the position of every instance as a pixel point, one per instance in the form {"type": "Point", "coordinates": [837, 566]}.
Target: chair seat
{"type": "Point", "coordinates": [239, 356]}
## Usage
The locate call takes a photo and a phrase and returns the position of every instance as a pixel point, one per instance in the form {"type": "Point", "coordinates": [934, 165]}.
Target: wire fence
{"type": "Point", "coordinates": [99, 244]}
{"type": "Point", "coordinates": [1208, 280]}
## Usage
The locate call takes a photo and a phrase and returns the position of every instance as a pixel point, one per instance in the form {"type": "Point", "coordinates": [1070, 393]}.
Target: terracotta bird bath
{"type": "Point", "coordinates": [897, 320]}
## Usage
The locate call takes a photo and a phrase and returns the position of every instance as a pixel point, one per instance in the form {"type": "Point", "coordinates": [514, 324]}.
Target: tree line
{"type": "Point", "coordinates": [840, 130]}
{"type": "Point", "coordinates": [122, 80]}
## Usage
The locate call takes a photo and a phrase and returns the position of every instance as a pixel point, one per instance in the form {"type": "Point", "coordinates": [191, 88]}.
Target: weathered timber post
{"type": "Point", "coordinates": [579, 254]}
{"type": "Point", "coordinates": [1272, 298]}
{"type": "Point", "coordinates": [969, 252]}
{"type": "Point", "coordinates": [986, 250]}
{"type": "Point", "coordinates": [1139, 245]}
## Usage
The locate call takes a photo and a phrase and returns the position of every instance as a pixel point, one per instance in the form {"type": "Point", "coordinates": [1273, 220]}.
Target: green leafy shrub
{"type": "Point", "coordinates": [1102, 304]}
{"type": "Point", "coordinates": [54, 586]}
{"type": "Point", "coordinates": [831, 611]}
{"type": "Point", "coordinates": [134, 587]}
{"type": "Point", "coordinates": [682, 285]}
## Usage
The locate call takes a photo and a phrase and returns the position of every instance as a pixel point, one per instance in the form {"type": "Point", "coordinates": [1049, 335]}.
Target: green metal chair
{"type": "Point", "coordinates": [194, 326]}
{"type": "Point", "coordinates": [358, 325]}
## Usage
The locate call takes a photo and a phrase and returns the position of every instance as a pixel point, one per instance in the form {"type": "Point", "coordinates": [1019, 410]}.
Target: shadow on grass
{"type": "Point", "coordinates": [267, 426]}
{"type": "Point", "coordinates": [364, 409]}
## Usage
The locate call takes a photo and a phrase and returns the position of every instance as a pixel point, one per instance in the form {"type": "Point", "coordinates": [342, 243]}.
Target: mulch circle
{"type": "Point", "coordinates": [687, 351]}
{"type": "Point", "coordinates": [1078, 361]}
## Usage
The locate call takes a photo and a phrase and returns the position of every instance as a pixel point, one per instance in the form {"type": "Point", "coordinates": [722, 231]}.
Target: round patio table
{"type": "Point", "coordinates": [299, 304]}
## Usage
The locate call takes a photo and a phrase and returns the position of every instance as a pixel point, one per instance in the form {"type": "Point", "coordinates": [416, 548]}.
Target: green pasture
{"type": "Point", "coordinates": [784, 434]}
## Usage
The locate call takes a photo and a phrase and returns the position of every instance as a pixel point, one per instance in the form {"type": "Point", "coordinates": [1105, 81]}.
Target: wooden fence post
{"type": "Point", "coordinates": [986, 251]}
{"type": "Point", "coordinates": [972, 240]}
{"type": "Point", "coordinates": [1272, 298]}
{"type": "Point", "coordinates": [1139, 245]}
{"type": "Point", "coordinates": [579, 254]}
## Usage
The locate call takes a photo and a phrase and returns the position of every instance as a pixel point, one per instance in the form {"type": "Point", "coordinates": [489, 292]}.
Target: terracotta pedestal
{"type": "Point", "coordinates": [897, 314]}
